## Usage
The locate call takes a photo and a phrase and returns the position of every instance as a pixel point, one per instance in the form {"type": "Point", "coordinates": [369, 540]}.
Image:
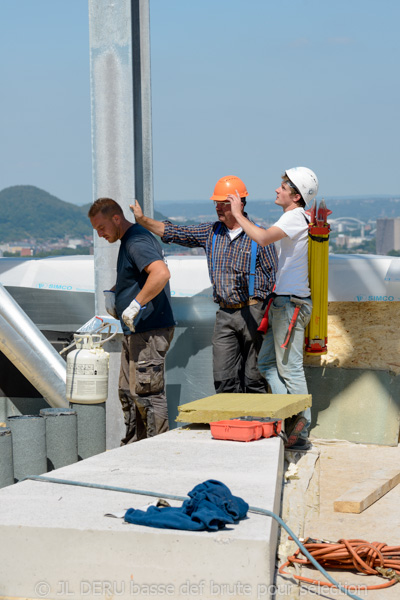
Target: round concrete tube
{"type": "Point", "coordinates": [91, 428]}
{"type": "Point", "coordinates": [61, 437]}
{"type": "Point", "coordinates": [6, 457]}
{"type": "Point", "coordinates": [29, 445]}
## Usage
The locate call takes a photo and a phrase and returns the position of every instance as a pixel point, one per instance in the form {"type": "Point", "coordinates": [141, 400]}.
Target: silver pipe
{"type": "Point", "coordinates": [27, 330]}
{"type": "Point", "coordinates": [27, 348]}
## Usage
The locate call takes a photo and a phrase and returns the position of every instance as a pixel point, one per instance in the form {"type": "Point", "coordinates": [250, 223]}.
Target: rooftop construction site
{"type": "Point", "coordinates": [224, 498]}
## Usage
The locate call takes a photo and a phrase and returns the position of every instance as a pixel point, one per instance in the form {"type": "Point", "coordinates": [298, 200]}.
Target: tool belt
{"type": "Point", "coordinates": [248, 302]}
{"type": "Point", "coordinates": [264, 321]}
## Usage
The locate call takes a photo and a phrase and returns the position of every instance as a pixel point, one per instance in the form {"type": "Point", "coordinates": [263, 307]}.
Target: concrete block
{"type": "Point", "coordinates": [69, 550]}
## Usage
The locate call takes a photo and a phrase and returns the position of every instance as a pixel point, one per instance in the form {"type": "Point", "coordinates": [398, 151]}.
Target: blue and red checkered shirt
{"type": "Point", "coordinates": [229, 261]}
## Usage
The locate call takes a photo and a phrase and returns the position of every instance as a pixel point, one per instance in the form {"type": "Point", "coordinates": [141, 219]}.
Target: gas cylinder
{"type": "Point", "coordinates": [87, 370]}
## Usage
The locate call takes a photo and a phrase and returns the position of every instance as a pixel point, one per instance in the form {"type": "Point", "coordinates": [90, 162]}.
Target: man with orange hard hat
{"type": "Point", "coordinates": [243, 276]}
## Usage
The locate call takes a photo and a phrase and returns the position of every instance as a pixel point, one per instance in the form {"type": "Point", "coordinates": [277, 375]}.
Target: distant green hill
{"type": "Point", "coordinates": [28, 212]}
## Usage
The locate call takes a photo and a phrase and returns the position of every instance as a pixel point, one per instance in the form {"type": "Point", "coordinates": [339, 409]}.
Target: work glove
{"type": "Point", "coordinates": [129, 314]}
{"type": "Point", "coordinates": [109, 299]}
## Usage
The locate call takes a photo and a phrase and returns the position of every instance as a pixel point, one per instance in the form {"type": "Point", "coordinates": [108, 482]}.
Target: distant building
{"type": "Point", "coordinates": [74, 243]}
{"type": "Point", "coordinates": [16, 249]}
{"type": "Point", "coordinates": [342, 240]}
{"type": "Point", "coordinates": [387, 235]}
{"type": "Point", "coordinates": [348, 241]}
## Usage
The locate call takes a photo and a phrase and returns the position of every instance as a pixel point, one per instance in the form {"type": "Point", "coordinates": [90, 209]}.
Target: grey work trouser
{"type": "Point", "coordinates": [236, 344]}
{"type": "Point", "coordinates": [141, 385]}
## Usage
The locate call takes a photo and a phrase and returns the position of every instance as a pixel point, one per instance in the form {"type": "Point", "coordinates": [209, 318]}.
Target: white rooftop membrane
{"type": "Point", "coordinates": [352, 278]}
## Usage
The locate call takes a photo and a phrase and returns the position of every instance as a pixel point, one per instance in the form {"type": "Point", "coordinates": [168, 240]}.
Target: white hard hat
{"type": "Point", "coordinates": [305, 181]}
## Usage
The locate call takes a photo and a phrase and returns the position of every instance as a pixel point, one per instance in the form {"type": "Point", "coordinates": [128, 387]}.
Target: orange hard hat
{"type": "Point", "coordinates": [228, 185]}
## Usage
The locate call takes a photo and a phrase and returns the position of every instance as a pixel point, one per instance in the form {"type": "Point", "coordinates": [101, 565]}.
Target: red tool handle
{"type": "Point", "coordinates": [264, 321]}
{"type": "Point", "coordinates": [290, 328]}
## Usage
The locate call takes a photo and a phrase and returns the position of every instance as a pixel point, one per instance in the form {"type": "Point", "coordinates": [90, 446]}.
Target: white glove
{"type": "Point", "coordinates": [129, 314]}
{"type": "Point", "coordinates": [109, 298]}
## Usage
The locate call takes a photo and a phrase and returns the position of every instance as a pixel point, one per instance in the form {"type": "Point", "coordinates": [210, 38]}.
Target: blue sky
{"type": "Point", "coordinates": [244, 87]}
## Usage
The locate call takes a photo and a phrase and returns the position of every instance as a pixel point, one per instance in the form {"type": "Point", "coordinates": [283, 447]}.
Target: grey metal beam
{"type": "Point", "coordinates": [142, 105]}
{"type": "Point", "coordinates": [121, 138]}
{"type": "Point", "coordinates": [121, 116]}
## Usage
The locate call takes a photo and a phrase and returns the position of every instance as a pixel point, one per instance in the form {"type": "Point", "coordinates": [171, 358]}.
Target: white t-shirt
{"type": "Point", "coordinates": [292, 275]}
{"type": "Point", "coordinates": [233, 233]}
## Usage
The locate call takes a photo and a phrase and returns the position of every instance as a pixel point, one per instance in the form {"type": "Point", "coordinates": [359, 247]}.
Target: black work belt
{"type": "Point", "coordinates": [292, 296]}
{"type": "Point", "coordinates": [248, 302]}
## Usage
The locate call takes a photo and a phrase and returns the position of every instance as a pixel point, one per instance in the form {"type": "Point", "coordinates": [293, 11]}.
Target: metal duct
{"type": "Point", "coordinates": [27, 348]}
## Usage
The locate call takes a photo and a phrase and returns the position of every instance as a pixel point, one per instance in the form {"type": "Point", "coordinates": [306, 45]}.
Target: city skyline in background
{"type": "Point", "coordinates": [246, 88]}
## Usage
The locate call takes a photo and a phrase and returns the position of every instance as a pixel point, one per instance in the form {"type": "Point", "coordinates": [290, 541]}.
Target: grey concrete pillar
{"type": "Point", "coordinates": [114, 414]}
{"type": "Point", "coordinates": [121, 116]}
{"type": "Point", "coordinates": [6, 457]}
{"type": "Point", "coordinates": [91, 429]}
{"type": "Point", "coordinates": [61, 437]}
{"type": "Point", "coordinates": [121, 128]}
{"type": "Point", "coordinates": [29, 445]}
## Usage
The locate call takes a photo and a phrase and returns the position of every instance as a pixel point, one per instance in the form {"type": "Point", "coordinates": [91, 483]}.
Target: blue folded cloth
{"type": "Point", "coordinates": [210, 507]}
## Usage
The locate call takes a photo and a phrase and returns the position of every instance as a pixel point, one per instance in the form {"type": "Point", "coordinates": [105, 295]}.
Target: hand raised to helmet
{"type": "Point", "coordinates": [236, 204]}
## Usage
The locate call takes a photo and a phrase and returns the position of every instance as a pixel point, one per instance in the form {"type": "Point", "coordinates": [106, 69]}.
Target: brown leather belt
{"type": "Point", "coordinates": [249, 302]}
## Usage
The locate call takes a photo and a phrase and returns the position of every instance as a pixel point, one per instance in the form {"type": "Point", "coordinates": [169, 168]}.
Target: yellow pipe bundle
{"type": "Point", "coordinates": [318, 265]}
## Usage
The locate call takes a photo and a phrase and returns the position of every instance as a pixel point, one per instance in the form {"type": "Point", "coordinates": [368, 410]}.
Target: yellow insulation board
{"type": "Point", "coordinates": [227, 406]}
{"type": "Point", "coordinates": [362, 335]}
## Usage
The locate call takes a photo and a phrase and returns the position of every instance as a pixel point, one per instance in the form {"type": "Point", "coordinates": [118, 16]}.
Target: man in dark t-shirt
{"type": "Point", "coordinates": [141, 301]}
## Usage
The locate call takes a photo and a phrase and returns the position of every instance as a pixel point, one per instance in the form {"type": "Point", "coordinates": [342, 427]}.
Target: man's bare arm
{"type": "Point", "coordinates": [262, 236]}
{"type": "Point", "coordinates": [152, 225]}
{"type": "Point", "coordinates": [158, 276]}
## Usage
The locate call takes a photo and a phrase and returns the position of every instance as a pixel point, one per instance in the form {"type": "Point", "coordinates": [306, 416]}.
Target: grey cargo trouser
{"type": "Point", "coordinates": [141, 385]}
{"type": "Point", "coordinates": [236, 344]}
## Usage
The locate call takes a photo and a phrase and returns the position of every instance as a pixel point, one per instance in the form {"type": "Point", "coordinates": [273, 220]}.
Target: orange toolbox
{"type": "Point", "coordinates": [246, 429]}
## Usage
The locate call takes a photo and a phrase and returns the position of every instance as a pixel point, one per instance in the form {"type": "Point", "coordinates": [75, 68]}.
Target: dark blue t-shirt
{"type": "Point", "coordinates": [138, 249]}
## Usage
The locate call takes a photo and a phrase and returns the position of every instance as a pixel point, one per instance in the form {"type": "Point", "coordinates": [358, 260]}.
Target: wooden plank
{"type": "Point", "coordinates": [227, 406]}
{"type": "Point", "coordinates": [362, 495]}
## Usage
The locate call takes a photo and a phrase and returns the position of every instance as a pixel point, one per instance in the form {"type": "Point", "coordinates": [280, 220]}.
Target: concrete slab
{"type": "Point", "coordinates": [227, 406]}
{"type": "Point", "coordinates": [58, 544]}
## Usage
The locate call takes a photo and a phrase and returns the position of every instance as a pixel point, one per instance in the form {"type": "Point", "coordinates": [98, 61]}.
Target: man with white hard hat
{"type": "Point", "coordinates": [281, 361]}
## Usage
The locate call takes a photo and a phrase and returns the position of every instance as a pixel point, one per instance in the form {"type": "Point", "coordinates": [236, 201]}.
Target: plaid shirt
{"type": "Point", "coordinates": [229, 268]}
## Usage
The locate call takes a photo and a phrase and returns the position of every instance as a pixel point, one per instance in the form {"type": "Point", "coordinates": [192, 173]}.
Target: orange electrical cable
{"type": "Point", "coordinates": [368, 558]}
